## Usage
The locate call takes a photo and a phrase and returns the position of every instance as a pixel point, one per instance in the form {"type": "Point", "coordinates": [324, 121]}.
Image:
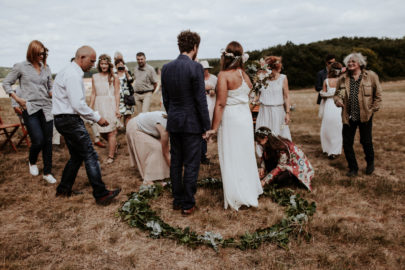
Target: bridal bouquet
{"type": "Point", "coordinates": [259, 74]}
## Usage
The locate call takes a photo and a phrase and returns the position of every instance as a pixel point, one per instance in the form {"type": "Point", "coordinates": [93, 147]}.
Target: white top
{"type": "Point", "coordinates": [147, 121]}
{"type": "Point", "coordinates": [211, 81]}
{"type": "Point", "coordinates": [68, 94]}
{"type": "Point", "coordinates": [273, 93]}
{"type": "Point", "coordinates": [330, 91]}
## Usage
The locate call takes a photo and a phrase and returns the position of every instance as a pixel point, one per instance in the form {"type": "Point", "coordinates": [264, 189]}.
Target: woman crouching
{"type": "Point", "coordinates": [282, 159]}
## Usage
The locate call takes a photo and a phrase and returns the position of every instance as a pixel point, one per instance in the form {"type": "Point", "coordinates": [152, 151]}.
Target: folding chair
{"type": "Point", "coordinates": [12, 129]}
{"type": "Point", "coordinates": [25, 134]}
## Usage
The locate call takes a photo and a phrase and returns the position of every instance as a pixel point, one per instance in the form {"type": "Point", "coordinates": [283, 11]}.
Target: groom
{"type": "Point", "coordinates": [184, 99]}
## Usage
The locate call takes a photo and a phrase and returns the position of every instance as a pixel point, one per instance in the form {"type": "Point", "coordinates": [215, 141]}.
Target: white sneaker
{"type": "Point", "coordinates": [49, 178]}
{"type": "Point", "coordinates": [33, 169]}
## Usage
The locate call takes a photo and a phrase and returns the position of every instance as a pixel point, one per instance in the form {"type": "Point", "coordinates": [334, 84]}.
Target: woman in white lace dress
{"type": "Point", "coordinates": [105, 98]}
{"type": "Point", "coordinates": [274, 111]}
{"type": "Point", "coordinates": [233, 121]}
{"type": "Point", "coordinates": [331, 128]}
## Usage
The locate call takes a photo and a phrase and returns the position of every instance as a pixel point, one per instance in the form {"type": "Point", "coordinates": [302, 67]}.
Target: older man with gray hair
{"type": "Point", "coordinates": [68, 105]}
{"type": "Point", "coordinates": [359, 93]}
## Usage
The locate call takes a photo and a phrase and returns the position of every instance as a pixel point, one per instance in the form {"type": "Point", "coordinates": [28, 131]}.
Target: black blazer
{"type": "Point", "coordinates": [183, 91]}
{"type": "Point", "coordinates": [320, 77]}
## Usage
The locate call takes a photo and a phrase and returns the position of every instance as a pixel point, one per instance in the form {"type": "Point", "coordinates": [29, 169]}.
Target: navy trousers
{"type": "Point", "coordinates": [185, 150]}
{"type": "Point", "coordinates": [41, 133]}
{"type": "Point", "coordinates": [78, 141]}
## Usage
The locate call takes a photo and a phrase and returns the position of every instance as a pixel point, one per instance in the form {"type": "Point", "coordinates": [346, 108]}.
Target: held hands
{"type": "Point", "coordinates": [102, 122]}
{"type": "Point", "coordinates": [207, 135]}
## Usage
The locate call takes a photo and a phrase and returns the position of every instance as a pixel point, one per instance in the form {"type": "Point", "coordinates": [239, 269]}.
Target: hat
{"type": "Point", "coordinates": [205, 64]}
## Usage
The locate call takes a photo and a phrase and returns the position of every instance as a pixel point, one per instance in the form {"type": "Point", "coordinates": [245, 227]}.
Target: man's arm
{"type": "Point", "coordinates": [200, 97]}
{"type": "Point", "coordinates": [165, 94]}
{"type": "Point", "coordinates": [319, 81]}
{"type": "Point", "coordinates": [77, 99]}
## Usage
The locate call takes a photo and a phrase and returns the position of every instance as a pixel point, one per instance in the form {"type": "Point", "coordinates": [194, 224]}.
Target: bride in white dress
{"type": "Point", "coordinates": [331, 127]}
{"type": "Point", "coordinates": [233, 121]}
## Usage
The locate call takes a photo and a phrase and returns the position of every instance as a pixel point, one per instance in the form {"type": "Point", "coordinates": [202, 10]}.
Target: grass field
{"type": "Point", "coordinates": [359, 223]}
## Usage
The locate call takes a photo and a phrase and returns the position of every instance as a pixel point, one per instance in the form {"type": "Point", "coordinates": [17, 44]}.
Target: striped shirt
{"type": "Point", "coordinates": [34, 87]}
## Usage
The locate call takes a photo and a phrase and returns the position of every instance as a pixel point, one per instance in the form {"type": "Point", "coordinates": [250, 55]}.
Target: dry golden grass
{"type": "Point", "coordinates": [359, 223]}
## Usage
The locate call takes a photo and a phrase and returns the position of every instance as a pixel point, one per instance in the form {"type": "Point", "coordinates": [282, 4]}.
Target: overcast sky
{"type": "Point", "coordinates": [151, 26]}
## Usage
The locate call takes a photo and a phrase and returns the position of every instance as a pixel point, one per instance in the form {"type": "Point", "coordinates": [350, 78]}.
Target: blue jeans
{"type": "Point", "coordinates": [40, 132]}
{"type": "Point", "coordinates": [185, 150]}
{"type": "Point", "coordinates": [78, 141]}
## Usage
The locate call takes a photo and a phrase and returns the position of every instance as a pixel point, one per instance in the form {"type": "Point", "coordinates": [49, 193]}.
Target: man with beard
{"type": "Point", "coordinates": [183, 91]}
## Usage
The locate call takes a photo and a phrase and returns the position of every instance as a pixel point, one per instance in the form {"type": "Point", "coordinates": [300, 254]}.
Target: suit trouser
{"type": "Point", "coordinates": [142, 102]}
{"type": "Point", "coordinates": [366, 140]}
{"type": "Point", "coordinates": [78, 141]}
{"type": "Point", "coordinates": [185, 150]}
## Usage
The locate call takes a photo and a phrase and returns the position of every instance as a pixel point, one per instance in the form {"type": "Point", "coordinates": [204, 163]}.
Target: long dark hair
{"type": "Point", "coordinates": [273, 147]}
{"type": "Point", "coordinates": [110, 67]}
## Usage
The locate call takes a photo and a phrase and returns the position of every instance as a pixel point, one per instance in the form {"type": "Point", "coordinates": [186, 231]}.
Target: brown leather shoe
{"type": "Point", "coordinates": [188, 212]}
{"type": "Point", "coordinates": [100, 144]}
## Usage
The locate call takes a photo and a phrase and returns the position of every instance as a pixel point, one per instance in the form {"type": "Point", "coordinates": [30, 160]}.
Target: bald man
{"type": "Point", "coordinates": [68, 105]}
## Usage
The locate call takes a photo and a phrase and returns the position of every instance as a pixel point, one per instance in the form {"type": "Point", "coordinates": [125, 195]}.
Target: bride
{"type": "Point", "coordinates": [233, 122]}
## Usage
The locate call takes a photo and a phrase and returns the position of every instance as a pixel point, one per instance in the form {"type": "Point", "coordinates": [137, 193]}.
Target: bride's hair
{"type": "Point", "coordinates": [231, 57]}
{"type": "Point", "coordinates": [335, 70]}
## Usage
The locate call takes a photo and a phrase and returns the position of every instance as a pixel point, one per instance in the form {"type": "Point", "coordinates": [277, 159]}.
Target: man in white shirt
{"type": "Point", "coordinates": [68, 105]}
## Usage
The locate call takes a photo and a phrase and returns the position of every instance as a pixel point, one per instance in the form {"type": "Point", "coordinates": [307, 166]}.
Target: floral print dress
{"type": "Point", "coordinates": [124, 90]}
{"type": "Point", "coordinates": [294, 162]}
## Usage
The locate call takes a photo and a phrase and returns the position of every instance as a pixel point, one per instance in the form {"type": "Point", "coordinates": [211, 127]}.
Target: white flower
{"type": "Point", "coordinates": [156, 228]}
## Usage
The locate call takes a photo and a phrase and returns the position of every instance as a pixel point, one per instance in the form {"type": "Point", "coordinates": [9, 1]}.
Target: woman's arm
{"type": "Point", "coordinates": [93, 94]}
{"type": "Point", "coordinates": [282, 162]}
{"type": "Point", "coordinates": [117, 96]}
{"type": "Point", "coordinates": [286, 96]}
{"type": "Point", "coordinates": [222, 94]}
{"type": "Point", "coordinates": [164, 140]}
{"type": "Point", "coordinates": [8, 82]}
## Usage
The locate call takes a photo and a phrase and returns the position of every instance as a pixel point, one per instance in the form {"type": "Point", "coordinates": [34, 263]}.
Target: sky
{"type": "Point", "coordinates": [152, 26]}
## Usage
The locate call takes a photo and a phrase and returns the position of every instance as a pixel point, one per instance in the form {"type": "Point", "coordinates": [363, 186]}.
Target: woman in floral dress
{"type": "Point", "coordinates": [282, 159]}
{"type": "Point", "coordinates": [126, 81]}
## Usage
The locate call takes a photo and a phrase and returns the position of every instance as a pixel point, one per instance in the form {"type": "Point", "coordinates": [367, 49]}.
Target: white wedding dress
{"type": "Point", "coordinates": [236, 150]}
{"type": "Point", "coordinates": [331, 127]}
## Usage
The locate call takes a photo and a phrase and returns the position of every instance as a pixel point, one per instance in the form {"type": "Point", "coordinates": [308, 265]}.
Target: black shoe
{"type": "Point", "coordinates": [205, 161]}
{"type": "Point", "coordinates": [332, 157]}
{"type": "Point", "coordinates": [351, 173]}
{"type": "Point", "coordinates": [106, 200]}
{"type": "Point", "coordinates": [370, 169]}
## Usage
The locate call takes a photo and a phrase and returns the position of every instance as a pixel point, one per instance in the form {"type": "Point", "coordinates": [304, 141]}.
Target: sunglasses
{"type": "Point", "coordinates": [44, 53]}
{"type": "Point", "coordinates": [330, 62]}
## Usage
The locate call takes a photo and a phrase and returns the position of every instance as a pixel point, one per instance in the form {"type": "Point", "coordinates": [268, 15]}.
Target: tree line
{"type": "Point", "coordinates": [385, 56]}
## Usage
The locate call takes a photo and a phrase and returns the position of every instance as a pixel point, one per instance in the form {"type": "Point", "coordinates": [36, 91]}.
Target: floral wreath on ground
{"type": "Point", "coordinates": [137, 212]}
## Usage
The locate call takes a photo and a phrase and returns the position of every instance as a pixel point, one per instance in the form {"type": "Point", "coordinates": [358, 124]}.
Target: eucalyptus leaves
{"type": "Point", "coordinates": [138, 213]}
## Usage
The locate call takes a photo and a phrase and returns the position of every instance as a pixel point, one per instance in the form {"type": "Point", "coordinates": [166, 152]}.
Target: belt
{"type": "Point", "coordinates": [66, 115]}
{"type": "Point", "coordinates": [144, 91]}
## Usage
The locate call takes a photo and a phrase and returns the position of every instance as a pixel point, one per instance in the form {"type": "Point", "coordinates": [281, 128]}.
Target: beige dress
{"type": "Point", "coordinates": [105, 102]}
{"type": "Point", "coordinates": [145, 149]}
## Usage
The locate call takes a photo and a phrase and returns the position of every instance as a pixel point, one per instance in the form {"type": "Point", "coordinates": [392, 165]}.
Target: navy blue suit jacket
{"type": "Point", "coordinates": [320, 77]}
{"type": "Point", "coordinates": [183, 91]}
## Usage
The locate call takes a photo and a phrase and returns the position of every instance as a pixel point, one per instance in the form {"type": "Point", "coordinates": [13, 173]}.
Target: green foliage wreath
{"type": "Point", "coordinates": [138, 213]}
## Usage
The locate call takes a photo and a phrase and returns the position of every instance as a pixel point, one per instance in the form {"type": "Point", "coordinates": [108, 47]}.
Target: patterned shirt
{"type": "Point", "coordinates": [354, 108]}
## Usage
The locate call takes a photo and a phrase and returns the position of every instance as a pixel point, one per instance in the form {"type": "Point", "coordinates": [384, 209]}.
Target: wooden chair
{"type": "Point", "coordinates": [8, 130]}
{"type": "Point", "coordinates": [25, 134]}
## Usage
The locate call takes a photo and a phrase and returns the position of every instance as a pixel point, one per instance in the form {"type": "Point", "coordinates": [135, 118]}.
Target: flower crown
{"type": "Point", "coordinates": [244, 57]}
{"type": "Point", "coordinates": [264, 132]}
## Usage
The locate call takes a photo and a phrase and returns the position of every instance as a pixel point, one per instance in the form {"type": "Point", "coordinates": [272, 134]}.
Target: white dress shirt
{"type": "Point", "coordinates": [68, 94]}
